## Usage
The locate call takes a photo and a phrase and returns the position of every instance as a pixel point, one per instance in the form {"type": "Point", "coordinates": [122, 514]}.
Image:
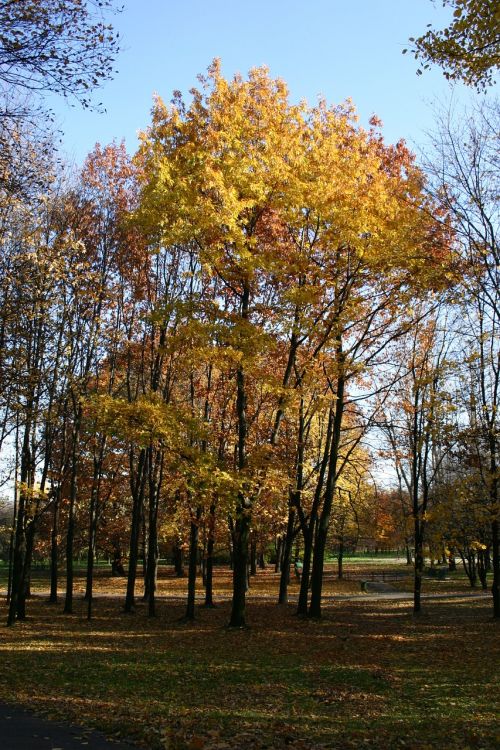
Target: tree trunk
{"type": "Point", "coordinates": [93, 515]}
{"type": "Point", "coordinates": [419, 565]}
{"type": "Point", "coordinates": [179, 561]}
{"type": "Point", "coordinates": [244, 502]}
{"type": "Point", "coordinates": [18, 560]}
{"type": "Point", "coordinates": [253, 557]}
{"type": "Point", "coordinates": [309, 527]}
{"type": "Point", "coordinates": [482, 569]}
{"type": "Point", "coordinates": [155, 469]}
{"type": "Point", "coordinates": [495, 586]}
{"type": "Point", "coordinates": [318, 566]}
{"type": "Point", "coordinates": [209, 602]}
{"type": "Point", "coordinates": [306, 572]}
{"type": "Point", "coordinates": [12, 535]}
{"type": "Point", "coordinates": [138, 485]}
{"type": "Point", "coordinates": [287, 554]}
{"type": "Point", "coordinates": [340, 560]}
{"type": "Point", "coordinates": [17, 598]}
{"type": "Point", "coordinates": [324, 519]}
{"type": "Point", "coordinates": [409, 558]}
{"type": "Point", "coordinates": [469, 565]}
{"type": "Point", "coordinates": [54, 551]}
{"type": "Point", "coordinates": [278, 547]}
{"type": "Point", "coordinates": [68, 600]}
{"type": "Point", "coordinates": [30, 543]}
{"type": "Point", "coordinates": [193, 555]}
{"type": "Point", "coordinates": [240, 565]}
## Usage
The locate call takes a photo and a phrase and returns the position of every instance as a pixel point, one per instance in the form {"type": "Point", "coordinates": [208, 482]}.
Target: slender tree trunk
{"type": "Point", "coordinates": [244, 503]}
{"type": "Point", "coordinates": [54, 550]}
{"type": "Point", "coordinates": [26, 587]}
{"type": "Point", "coordinates": [91, 554]}
{"type": "Point", "coordinates": [152, 564]}
{"type": "Point", "coordinates": [14, 514]}
{"type": "Point", "coordinates": [179, 561]}
{"type": "Point", "coordinates": [278, 548]}
{"type": "Point", "coordinates": [240, 565]}
{"type": "Point", "coordinates": [409, 559]}
{"type": "Point", "coordinates": [324, 519]}
{"type": "Point", "coordinates": [469, 565]}
{"type": "Point", "coordinates": [309, 527]}
{"type": "Point", "coordinates": [93, 515]}
{"type": "Point", "coordinates": [68, 600]}
{"type": "Point", "coordinates": [253, 557]}
{"type": "Point", "coordinates": [231, 555]}
{"type": "Point", "coordinates": [138, 485]}
{"type": "Point", "coordinates": [12, 543]}
{"type": "Point", "coordinates": [17, 598]}
{"type": "Point", "coordinates": [18, 560]}
{"type": "Point", "coordinates": [193, 554]}
{"type": "Point", "coordinates": [419, 565]}
{"type": "Point", "coordinates": [340, 560]}
{"type": "Point", "coordinates": [482, 569]}
{"type": "Point", "coordinates": [209, 571]}
{"type": "Point", "coordinates": [495, 586]}
{"type": "Point", "coordinates": [306, 572]}
{"type": "Point", "coordinates": [145, 549]}
{"type": "Point", "coordinates": [155, 465]}
{"type": "Point", "coordinates": [287, 554]}
{"type": "Point", "coordinates": [318, 566]}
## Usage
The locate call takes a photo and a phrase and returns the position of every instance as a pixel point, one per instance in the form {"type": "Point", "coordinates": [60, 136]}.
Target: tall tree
{"type": "Point", "coordinates": [313, 228]}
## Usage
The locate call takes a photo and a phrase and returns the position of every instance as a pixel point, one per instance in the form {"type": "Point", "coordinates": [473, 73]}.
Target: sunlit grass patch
{"type": "Point", "coordinates": [368, 674]}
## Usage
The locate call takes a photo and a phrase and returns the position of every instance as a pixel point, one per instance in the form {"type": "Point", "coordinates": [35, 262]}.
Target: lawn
{"type": "Point", "coordinates": [367, 675]}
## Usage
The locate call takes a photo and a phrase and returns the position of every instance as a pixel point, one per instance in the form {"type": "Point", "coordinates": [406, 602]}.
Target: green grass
{"type": "Point", "coordinates": [366, 675]}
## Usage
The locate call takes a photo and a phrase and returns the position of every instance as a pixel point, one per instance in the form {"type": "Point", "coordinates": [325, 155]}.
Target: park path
{"type": "Point", "coordinates": [20, 729]}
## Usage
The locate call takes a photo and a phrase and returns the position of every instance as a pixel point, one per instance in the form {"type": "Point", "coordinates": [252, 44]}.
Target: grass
{"type": "Point", "coordinates": [367, 675]}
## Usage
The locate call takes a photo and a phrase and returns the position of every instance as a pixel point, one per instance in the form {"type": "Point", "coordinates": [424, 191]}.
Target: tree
{"type": "Point", "coordinates": [465, 171]}
{"type": "Point", "coordinates": [468, 49]}
{"type": "Point", "coordinates": [60, 46]}
{"type": "Point", "coordinates": [415, 424]}
{"type": "Point", "coordinates": [314, 229]}
{"type": "Point", "coordinates": [215, 173]}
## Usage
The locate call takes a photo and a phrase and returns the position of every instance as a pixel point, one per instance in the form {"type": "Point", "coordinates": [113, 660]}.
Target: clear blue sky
{"type": "Point", "coordinates": [336, 48]}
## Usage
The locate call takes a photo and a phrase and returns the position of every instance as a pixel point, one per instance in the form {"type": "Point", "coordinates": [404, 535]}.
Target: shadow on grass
{"type": "Point", "coordinates": [368, 674]}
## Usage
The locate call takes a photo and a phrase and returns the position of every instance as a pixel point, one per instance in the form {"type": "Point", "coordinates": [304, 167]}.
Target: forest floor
{"type": "Point", "coordinates": [368, 674]}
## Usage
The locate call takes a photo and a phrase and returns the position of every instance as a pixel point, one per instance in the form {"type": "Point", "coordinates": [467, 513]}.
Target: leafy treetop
{"type": "Point", "coordinates": [62, 46]}
{"type": "Point", "coordinates": [468, 49]}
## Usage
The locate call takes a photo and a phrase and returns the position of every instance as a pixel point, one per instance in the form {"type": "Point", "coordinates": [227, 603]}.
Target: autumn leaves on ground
{"type": "Point", "coordinates": [369, 674]}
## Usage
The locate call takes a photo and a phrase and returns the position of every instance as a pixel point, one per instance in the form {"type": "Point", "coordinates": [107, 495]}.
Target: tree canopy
{"type": "Point", "coordinates": [62, 46]}
{"type": "Point", "coordinates": [468, 49]}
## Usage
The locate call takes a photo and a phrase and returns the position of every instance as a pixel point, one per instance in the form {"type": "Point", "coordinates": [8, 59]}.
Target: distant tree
{"type": "Point", "coordinates": [416, 423]}
{"type": "Point", "coordinates": [465, 171]}
{"type": "Point", "coordinates": [468, 49]}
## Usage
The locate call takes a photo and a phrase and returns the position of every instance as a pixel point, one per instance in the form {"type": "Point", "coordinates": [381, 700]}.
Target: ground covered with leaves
{"type": "Point", "coordinates": [367, 675]}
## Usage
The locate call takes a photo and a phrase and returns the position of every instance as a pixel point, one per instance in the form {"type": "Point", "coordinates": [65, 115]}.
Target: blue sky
{"type": "Point", "coordinates": [333, 48]}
